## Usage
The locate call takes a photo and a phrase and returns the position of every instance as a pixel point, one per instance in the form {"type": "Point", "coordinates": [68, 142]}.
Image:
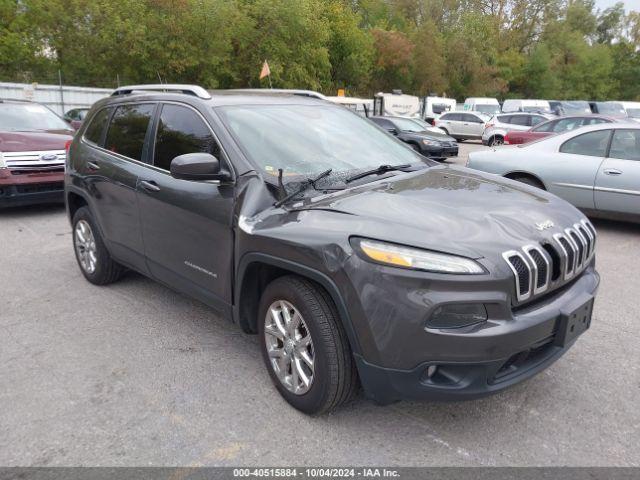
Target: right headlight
{"type": "Point", "coordinates": [416, 258]}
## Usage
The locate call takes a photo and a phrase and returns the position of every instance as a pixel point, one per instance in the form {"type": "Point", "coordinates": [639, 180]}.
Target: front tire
{"type": "Point", "coordinates": [92, 255]}
{"type": "Point", "coordinates": [304, 346]}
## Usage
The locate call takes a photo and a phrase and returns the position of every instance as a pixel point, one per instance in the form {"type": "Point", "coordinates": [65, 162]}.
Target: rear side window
{"type": "Point", "coordinates": [451, 117]}
{"type": "Point", "coordinates": [545, 127]}
{"type": "Point", "coordinates": [181, 130]}
{"type": "Point", "coordinates": [593, 144]}
{"type": "Point", "coordinates": [128, 129]}
{"type": "Point", "coordinates": [567, 124]}
{"type": "Point", "coordinates": [594, 121]}
{"type": "Point", "coordinates": [95, 130]}
{"type": "Point", "coordinates": [625, 145]}
{"type": "Point", "coordinates": [519, 120]}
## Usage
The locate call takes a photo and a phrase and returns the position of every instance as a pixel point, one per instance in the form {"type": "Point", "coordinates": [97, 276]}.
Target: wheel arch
{"type": "Point", "coordinates": [74, 202]}
{"type": "Point", "coordinates": [256, 270]}
{"type": "Point", "coordinates": [520, 173]}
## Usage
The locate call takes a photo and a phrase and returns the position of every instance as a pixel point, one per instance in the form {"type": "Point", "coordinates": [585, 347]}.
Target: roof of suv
{"type": "Point", "coordinates": [219, 97]}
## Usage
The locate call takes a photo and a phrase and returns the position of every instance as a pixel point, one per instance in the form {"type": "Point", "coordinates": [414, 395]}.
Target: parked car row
{"type": "Point", "coordinates": [596, 167]}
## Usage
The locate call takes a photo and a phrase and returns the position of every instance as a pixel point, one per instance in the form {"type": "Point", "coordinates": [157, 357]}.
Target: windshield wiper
{"type": "Point", "coordinates": [377, 171]}
{"type": "Point", "coordinates": [309, 182]}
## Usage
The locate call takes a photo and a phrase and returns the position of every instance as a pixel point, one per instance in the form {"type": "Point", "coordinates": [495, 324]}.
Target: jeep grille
{"type": "Point", "coordinates": [539, 267]}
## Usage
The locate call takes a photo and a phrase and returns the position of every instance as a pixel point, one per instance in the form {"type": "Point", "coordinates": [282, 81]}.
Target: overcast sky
{"type": "Point", "coordinates": [629, 4]}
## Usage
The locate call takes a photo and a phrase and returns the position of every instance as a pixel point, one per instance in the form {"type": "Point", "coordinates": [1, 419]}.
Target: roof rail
{"type": "Point", "coordinates": [194, 90]}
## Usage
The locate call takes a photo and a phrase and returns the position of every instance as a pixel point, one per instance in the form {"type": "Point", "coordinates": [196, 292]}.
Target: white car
{"type": "Point", "coordinates": [596, 168]}
{"type": "Point", "coordinates": [496, 129]}
{"type": "Point", "coordinates": [462, 125]}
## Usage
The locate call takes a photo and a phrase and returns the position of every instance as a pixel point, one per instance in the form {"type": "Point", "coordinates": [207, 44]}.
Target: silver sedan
{"type": "Point", "coordinates": [596, 168]}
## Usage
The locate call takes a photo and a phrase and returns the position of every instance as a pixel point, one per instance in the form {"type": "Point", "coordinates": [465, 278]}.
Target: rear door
{"type": "Point", "coordinates": [451, 122]}
{"type": "Point", "coordinates": [572, 172]}
{"type": "Point", "coordinates": [618, 181]}
{"type": "Point", "coordinates": [187, 224]}
{"type": "Point", "coordinates": [112, 164]}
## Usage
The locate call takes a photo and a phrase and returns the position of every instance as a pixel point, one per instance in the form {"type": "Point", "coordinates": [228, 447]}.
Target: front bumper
{"type": "Point", "coordinates": [29, 189]}
{"type": "Point", "coordinates": [440, 152]}
{"type": "Point", "coordinates": [511, 346]}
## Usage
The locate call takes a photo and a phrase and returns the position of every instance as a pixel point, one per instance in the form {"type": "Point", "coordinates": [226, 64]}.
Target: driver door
{"type": "Point", "coordinates": [186, 225]}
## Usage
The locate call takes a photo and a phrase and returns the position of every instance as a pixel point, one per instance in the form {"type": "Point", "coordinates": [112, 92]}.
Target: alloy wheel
{"type": "Point", "coordinates": [289, 347]}
{"type": "Point", "coordinates": [85, 246]}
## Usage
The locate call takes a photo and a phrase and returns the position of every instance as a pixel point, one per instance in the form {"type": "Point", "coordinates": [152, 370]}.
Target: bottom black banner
{"type": "Point", "coordinates": [214, 473]}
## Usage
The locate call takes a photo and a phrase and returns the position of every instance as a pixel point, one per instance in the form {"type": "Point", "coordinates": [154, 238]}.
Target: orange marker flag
{"type": "Point", "coordinates": [265, 72]}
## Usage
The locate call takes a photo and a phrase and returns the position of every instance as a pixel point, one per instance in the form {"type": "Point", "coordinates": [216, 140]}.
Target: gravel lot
{"type": "Point", "coordinates": [135, 374]}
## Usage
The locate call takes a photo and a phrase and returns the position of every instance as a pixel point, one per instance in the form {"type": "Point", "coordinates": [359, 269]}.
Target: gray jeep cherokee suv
{"type": "Point", "coordinates": [355, 259]}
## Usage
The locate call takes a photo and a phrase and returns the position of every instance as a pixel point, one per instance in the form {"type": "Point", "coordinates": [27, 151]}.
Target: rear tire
{"type": "Point", "coordinates": [529, 181]}
{"type": "Point", "coordinates": [92, 255]}
{"type": "Point", "coordinates": [332, 380]}
{"type": "Point", "coordinates": [496, 141]}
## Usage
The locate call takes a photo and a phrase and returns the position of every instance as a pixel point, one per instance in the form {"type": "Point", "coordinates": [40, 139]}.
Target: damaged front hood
{"type": "Point", "coordinates": [451, 209]}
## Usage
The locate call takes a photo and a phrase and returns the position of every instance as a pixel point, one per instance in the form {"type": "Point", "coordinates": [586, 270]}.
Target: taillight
{"type": "Point", "coordinates": [488, 125]}
{"type": "Point", "coordinates": [67, 146]}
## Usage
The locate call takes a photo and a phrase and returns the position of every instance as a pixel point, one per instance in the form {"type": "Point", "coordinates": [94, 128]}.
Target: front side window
{"type": "Point", "coordinates": [128, 129]}
{"type": "Point", "coordinates": [625, 145]}
{"type": "Point", "coordinates": [451, 117]}
{"type": "Point", "coordinates": [593, 144]}
{"type": "Point", "coordinates": [181, 130]}
{"type": "Point", "coordinates": [95, 130]}
{"type": "Point", "coordinates": [309, 139]}
{"type": "Point", "coordinates": [406, 125]}
{"type": "Point", "coordinates": [29, 117]}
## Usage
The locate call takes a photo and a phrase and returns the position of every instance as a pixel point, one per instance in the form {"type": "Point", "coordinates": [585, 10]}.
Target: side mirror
{"type": "Point", "coordinates": [196, 166]}
{"type": "Point", "coordinates": [392, 131]}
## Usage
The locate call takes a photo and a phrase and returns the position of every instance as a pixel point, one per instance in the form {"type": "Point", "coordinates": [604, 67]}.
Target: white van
{"type": "Point", "coordinates": [488, 106]}
{"type": "Point", "coordinates": [433, 107]}
{"type": "Point", "coordinates": [632, 108]}
{"type": "Point", "coordinates": [538, 106]}
{"type": "Point", "coordinates": [396, 104]}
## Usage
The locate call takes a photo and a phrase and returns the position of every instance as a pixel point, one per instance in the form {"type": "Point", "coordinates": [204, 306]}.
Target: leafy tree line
{"type": "Point", "coordinates": [560, 49]}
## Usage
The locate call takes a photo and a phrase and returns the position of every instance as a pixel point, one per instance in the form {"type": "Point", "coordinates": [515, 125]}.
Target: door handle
{"type": "Point", "coordinates": [612, 171]}
{"type": "Point", "coordinates": [93, 166]}
{"type": "Point", "coordinates": [150, 186]}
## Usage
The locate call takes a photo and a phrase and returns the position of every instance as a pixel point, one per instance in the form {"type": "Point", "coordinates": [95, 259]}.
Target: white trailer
{"type": "Point", "coordinates": [60, 99]}
{"type": "Point", "coordinates": [396, 104]}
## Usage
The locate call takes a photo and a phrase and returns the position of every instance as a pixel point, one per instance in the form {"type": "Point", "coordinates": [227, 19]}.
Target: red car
{"type": "Point", "coordinates": [33, 141]}
{"type": "Point", "coordinates": [553, 127]}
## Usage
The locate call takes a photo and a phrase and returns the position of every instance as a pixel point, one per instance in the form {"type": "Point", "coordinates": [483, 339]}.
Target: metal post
{"type": "Point", "coordinates": [61, 91]}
